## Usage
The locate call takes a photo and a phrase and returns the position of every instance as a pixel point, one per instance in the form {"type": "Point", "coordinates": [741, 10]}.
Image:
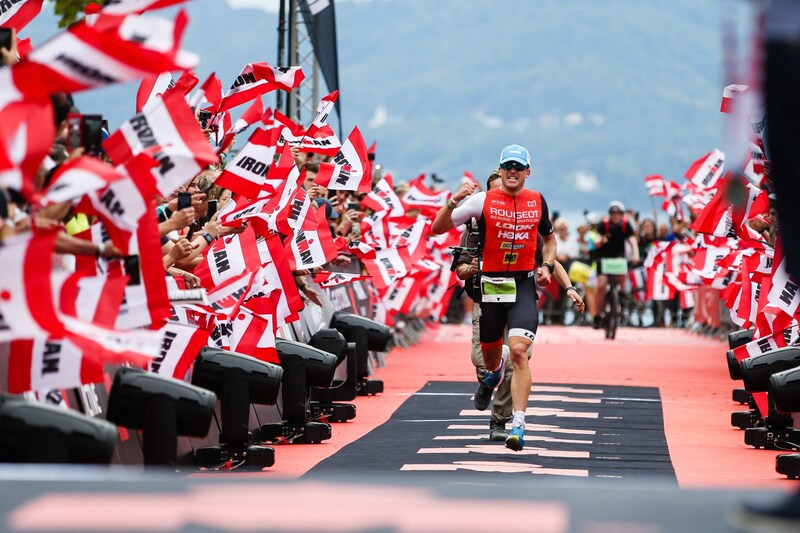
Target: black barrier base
{"type": "Point", "coordinates": [304, 433]}
{"type": "Point", "coordinates": [332, 412]}
{"type": "Point", "coordinates": [746, 419]}
{"type": "Point", "coordinates": [251, 457]}
{"type": "Point", "coordinates": [788, 464]}
{"type": "Point", "coordinates": [370, 387]}
{"type": "Point", "coordinates": [742, 396]}
{"type": "Point", "coordinates": [773, 438]}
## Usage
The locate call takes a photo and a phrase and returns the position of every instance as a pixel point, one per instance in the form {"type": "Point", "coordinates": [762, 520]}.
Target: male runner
{"type": "Point", "coordinates": [509, 218]}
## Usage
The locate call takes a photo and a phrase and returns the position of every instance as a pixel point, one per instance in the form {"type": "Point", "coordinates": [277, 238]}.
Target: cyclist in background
{"type": "Point", "coordinates": [614, 230]}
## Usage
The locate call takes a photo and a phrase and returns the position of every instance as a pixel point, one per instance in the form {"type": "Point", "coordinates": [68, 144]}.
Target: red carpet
{"type": "Point", "coordinates": [688, 370]}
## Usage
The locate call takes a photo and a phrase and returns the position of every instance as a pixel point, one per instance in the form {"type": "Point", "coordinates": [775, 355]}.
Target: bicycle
{"type": "Point", "coordinates": [613, 268]}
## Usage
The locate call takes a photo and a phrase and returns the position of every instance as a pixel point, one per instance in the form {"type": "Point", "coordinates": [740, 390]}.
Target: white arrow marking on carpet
{"type": "Point", "coordinates": [537, 411]}
{"type": "Point", "coordinates": [550, 388]}
{"type": "Point", "coordinates": [493, 449]}
{"type": "Point", "coordinates": [531, 428]}
{"type": "Point", "coordinates": [527, 438]}
{"type": "Point", "coordinates": [495, 466]}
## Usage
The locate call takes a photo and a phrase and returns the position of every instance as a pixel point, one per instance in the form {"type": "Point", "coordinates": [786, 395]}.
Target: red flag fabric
{"type": "Point", "coordinates": [351, 169]}
{"type": "Point", "coordinates": [17, 14]}
{"type": "Point", "coordinates": [169, 129]}
{"type": "Point", "coordinates": [26, 135]}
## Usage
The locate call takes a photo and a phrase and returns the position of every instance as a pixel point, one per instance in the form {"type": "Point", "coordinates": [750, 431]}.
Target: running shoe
{"type": "Point", "coordinates": [493, 378]}
{"type": "Point", "coordinates": [516, 439]}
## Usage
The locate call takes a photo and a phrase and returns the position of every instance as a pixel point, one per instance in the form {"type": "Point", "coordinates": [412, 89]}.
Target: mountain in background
{"type": "Point", "coordinates": [602, 93]}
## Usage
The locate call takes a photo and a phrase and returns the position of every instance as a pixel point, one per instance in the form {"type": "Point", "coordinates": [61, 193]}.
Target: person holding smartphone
{"type": "Point", "coordinates": [9, 54]}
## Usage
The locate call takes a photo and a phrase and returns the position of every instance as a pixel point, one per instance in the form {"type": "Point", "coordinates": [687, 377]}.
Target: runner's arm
{"type": "Point", "coordinates": [450, 216]}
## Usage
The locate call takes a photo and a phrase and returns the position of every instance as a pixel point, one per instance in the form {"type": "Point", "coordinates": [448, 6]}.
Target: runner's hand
{"type": "Point", "coordinates": [465, 190]}
{"type": "Point", "coordinates": [580, 306]}
{"type": "Point", "coordinates": [543, 276]}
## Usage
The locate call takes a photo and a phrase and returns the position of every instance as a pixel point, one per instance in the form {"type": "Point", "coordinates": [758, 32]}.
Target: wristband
{"type": "Point", "coordinates": [450, 205]}
{"type": "Point", "coordinates": [207, 236]}
{"type": "Point", "coordinates": [571, 288]}
{"type": "Point", "coordinates": [550, 266]}
{"type": "Point", "coordinates": [101, 247]}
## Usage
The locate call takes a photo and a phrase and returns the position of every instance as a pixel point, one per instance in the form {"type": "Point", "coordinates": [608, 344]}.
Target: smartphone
{"type": "Point", "coordinates": [5, 38]}
{"type": "Point", "coordinates": [74, 131]}
{"type": "Point", "coordinates": [184, 200]}
{"type": "Point", "coordinates": [205, 117]}
{"type": "Point", "coordinates": [212, 209]}
{"type": "Point", "coordinates": [354, 205]}
{"type": "Point", "coordinates": [132, 269]}
{"type": "Point", "coordinates": [92, 133]}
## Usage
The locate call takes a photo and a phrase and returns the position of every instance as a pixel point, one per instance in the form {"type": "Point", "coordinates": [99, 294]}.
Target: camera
{"type": "Point", "coordinates": [204, 117]}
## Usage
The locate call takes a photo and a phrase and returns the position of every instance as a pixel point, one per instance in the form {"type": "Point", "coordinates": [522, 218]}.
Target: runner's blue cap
{"type": "Point", "coordinates": [515, 152]}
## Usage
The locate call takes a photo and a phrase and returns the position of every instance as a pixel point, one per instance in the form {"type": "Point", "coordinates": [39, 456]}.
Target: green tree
{"type": "Point", "coordinates": [68, 10]}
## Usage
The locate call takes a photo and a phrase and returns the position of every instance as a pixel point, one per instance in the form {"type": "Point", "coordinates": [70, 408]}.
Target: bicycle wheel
{"type": "Point", "coordinates": [612, 312]}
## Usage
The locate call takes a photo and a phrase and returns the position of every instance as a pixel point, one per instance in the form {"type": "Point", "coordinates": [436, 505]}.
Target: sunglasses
{"type": "Point", "coordinates": [513, 165]}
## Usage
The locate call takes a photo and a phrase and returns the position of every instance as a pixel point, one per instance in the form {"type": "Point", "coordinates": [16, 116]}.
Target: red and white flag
{"type": "Point", "coordinates": [171, 133]}
{"type": "Point", "coordinates": [226, 298]}
{"type": "Point", "coordinates": [45, 364]}
{"type": "Point", "coordinates": [256, 79]}
{"type": "Point", "coordinates": [783, 293]}
{"type": "Point", "coordinates": [278, 274]}
{"type": "Point", "coordinates": [180, 345]}
{"type": "Point", "coordinates": [389, 266]}
{"type": "Point", "coordinates": [151, 88]}
{"type": "Point", "coordinates": [383, 198]}
{"type": "Point", "coordinates": [228, 257]}
{"type": "Point", "coordinates": [715, 219]}
{"type": "Point", "coordinates": [250, 116]}
{"type": "Point", "coordinates": [707, 170]}
{"type": "Point", "coordinates": [18, 13]}
{"type": "Point", "coordinates": [400, 296]}
{"type": "Point", "coordinates": [419, 196]}
{"type": "Point", "coordinates": [314, 247]}
{"type": "Point", "coordinates": [326, 280]}
{"type": "Point", "coordinates": [254, 334]}
{"type": "Point", "coordinates": [123, 203]}
{"type": "Point", "coordinates": [319, 137]}
{"type": "Point", "coordinates": [116, 51]}
{"type": "Point", "coordinates": [209, 93]}
{"type": "Point", "coordinates": [656, 186]}
{"type": "Point", "coordinates": [729, 95]}
{"type": "Point", "coordinates": [78, 177]}
{"type": "Point", "coordinates": [246, 173]}
{"type": "Point", "coordinates": [26, 290]}
{"type": "Point", "coordinates": [350, 170]}
{"type": "Point", "coordinates": [93, 299]}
